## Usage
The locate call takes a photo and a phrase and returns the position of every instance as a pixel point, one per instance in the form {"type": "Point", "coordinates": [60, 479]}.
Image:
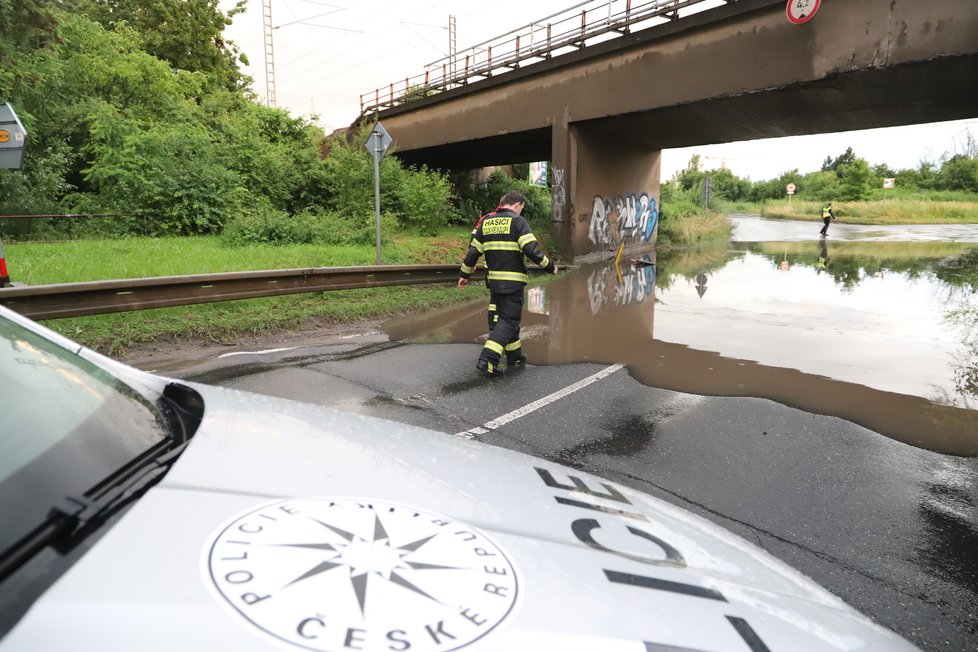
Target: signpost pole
{"type": "Point", "coordinates": [377, 144]}
{"type": "Point", "coordinates": [707, 191]}
{"type": "Point", "coordinates": [377, 197]}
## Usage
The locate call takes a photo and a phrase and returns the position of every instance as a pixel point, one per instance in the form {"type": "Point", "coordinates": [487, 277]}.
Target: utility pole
{"type": "Point", "coordinates": [270, 46]}
{"type": "Point", "coordinates": [452, 41]}
{"type": "Point", "coordinates": [269, 54]}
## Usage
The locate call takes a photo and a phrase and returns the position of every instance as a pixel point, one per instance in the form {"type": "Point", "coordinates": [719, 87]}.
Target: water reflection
{"type": "Point", "coordinates": [883, 334]}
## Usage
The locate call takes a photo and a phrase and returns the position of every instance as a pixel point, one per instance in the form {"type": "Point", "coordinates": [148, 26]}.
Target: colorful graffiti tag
{"type": "Point", "coordinates": [631, 215]}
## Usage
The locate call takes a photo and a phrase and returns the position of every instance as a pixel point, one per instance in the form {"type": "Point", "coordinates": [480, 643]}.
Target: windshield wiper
{"type": "Point", "coordinates": [74, 517]}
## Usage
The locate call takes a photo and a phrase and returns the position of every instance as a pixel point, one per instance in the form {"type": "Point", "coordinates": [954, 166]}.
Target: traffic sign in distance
{"type": "Point", "coordinates": [790, 189]}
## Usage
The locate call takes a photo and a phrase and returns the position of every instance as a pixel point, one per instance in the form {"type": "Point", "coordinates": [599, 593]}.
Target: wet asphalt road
{"type": "Point", "coordinates": [888, 527]}
{"type": "Point", "coordinates": [874, 520]}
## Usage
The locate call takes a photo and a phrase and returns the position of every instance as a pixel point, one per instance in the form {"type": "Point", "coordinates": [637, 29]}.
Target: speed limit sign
{"type": "Point", "coordinates": [801, 11]}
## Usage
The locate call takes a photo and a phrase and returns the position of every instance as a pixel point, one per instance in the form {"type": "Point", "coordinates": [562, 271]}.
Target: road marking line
{"type": "Point", "coordinates": [536, 405]}
{"type": "Point", "coordinates": [347, 337]}
{"type": "Point", "coordinates": [290, 348]}
{"type": "Point", "coordinates": [228, 355]}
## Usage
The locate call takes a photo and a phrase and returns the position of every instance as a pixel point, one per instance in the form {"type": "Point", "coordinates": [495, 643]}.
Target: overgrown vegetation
{"type": "Point", "coordinates": [685, 219]}
{"type": "Point", "coordinates": [138, 111]}
{"type": "Point", "coordinates": [847, 178]}
{"type": "Point", "coordinates": [473, 199]}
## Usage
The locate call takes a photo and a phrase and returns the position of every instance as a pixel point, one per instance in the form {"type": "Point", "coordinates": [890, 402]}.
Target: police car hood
{"type": "Point", "coordinates": [291, 526]}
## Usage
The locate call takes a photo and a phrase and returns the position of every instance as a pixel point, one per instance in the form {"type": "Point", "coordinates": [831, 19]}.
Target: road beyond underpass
{"type": "Point", "coordinates": [801, 394]}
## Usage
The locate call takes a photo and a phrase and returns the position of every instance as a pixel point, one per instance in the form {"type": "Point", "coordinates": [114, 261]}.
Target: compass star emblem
{"type": "Point", "coordinates": [338, 574]}
{"type": "Point", "coordinates": [365, 557]}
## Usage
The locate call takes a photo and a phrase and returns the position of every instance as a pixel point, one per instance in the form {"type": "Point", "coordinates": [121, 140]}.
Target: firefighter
{"type": "Point", "coordinates": [504, 237]}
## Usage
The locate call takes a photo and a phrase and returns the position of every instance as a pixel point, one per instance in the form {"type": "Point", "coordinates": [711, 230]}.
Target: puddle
{"type": "Point", "coordinates": [883, 334]}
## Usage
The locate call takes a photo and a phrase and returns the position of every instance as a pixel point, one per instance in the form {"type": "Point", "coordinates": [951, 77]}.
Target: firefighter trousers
{"type": "Point", "coordinates": [505, 313]}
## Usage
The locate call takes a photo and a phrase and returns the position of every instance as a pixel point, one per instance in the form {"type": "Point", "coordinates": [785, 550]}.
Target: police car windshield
{"type": "Point", "coordinates": [65, 425]}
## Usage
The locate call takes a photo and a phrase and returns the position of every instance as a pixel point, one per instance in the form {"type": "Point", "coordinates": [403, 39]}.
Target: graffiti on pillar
{"type": "Point", "coordinates": [636, 285]}
{"type": "Point", "coordinates": [614, 219]}
{"type": "Point", "coordinates": [559, 188]}
{"type": "Point", "coordinates": [599, 232]}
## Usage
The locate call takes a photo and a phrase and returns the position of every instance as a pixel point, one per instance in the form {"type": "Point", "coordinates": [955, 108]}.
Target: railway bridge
{"type": "Point", "coordinates": [601, 89]}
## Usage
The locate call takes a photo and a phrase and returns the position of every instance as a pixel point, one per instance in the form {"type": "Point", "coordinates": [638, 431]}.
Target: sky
{"type": "Point", "coordinates": [327, 54]}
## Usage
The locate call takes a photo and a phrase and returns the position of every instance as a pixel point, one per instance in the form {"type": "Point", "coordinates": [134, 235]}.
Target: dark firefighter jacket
{"type": "Point", "coordinates": [504, 237]}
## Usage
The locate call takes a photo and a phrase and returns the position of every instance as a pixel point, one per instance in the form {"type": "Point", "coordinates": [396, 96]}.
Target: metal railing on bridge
{"type": "Point", "coordinates": [586, 23]}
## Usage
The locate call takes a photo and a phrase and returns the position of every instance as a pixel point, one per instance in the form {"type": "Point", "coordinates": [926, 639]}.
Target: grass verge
{"type": "Point", "coordinates": [115, 334]}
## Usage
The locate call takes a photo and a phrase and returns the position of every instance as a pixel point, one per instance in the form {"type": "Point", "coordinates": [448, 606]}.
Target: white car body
{"type": "Point", "coordinates": [295, 527]}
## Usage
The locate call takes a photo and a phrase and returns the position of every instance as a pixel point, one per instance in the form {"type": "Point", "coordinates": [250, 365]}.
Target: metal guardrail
{"type": "Point", "coordinates": [562, 32]}
{"type": "Point", "coordinates": [97, 297]}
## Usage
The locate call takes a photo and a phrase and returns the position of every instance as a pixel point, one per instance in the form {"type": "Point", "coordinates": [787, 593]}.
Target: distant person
{"type": "Point", "coordinates": [504, 237]}
{"type": "Point", "coordinates": [827, 216]}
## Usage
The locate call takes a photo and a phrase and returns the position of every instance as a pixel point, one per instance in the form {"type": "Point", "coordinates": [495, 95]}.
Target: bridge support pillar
{"type": "Point", "coordinates": [605, 191]}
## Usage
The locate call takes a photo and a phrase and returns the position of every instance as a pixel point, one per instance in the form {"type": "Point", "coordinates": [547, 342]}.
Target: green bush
{"type": "Point", "coordinates": [265, 224]}
{"type": "Point", "coordinates": [424, 200]}
{"type": "Point", "coordinates": [684, 220]}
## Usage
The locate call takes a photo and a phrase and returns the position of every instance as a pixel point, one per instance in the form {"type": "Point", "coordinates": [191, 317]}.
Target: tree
{"type": "Point", "coordinates": [168, 171]}
{"type": "Point", "coordinates": [854, 180]}
{"type": "Point", "coordinates": [821, 186]}
{"type": "Point", "coordinates": [423, 200]}
{"type": "Point", "coordinates": [846, 158]}
{"type": "Point", "coordinates": [959, 173]}
{"type": "Point", "coordinates": [926, 175]}
{"type": "Point", "coordinates": [883, 171]}
{"type": "Point", "coordinates": [188, 34]}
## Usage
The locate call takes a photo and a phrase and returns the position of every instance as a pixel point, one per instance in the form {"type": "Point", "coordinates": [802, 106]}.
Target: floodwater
{"type": "Point", "coordinates": [875, 325]}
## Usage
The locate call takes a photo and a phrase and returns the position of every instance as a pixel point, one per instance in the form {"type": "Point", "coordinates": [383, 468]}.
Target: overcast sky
{"type": "Point", "coordinates": [329, 53]}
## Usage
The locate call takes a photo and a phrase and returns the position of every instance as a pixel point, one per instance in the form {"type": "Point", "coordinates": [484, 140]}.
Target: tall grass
{"type": "Point", "coordinates": [685, 223]}
{"type": "Point", "coordinates": [891, 211]}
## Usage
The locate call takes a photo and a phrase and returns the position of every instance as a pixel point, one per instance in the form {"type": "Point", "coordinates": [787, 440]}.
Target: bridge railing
{"type": "Point", "coordinates": [583, 24]}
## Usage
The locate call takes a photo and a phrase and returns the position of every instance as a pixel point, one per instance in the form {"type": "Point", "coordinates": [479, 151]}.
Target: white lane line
{"type": "Point", "coordinates": [536, 405]}
{"type": "Point", "coordinates": [228, 355]}
{"type": "Point", "coordinates": [291, 348]}
{"type": "Point", "coordinates": [364, 334]}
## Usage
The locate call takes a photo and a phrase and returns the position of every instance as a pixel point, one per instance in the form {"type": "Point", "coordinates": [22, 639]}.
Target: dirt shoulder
{"type": "Point", "coordinates": [172, 355]}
